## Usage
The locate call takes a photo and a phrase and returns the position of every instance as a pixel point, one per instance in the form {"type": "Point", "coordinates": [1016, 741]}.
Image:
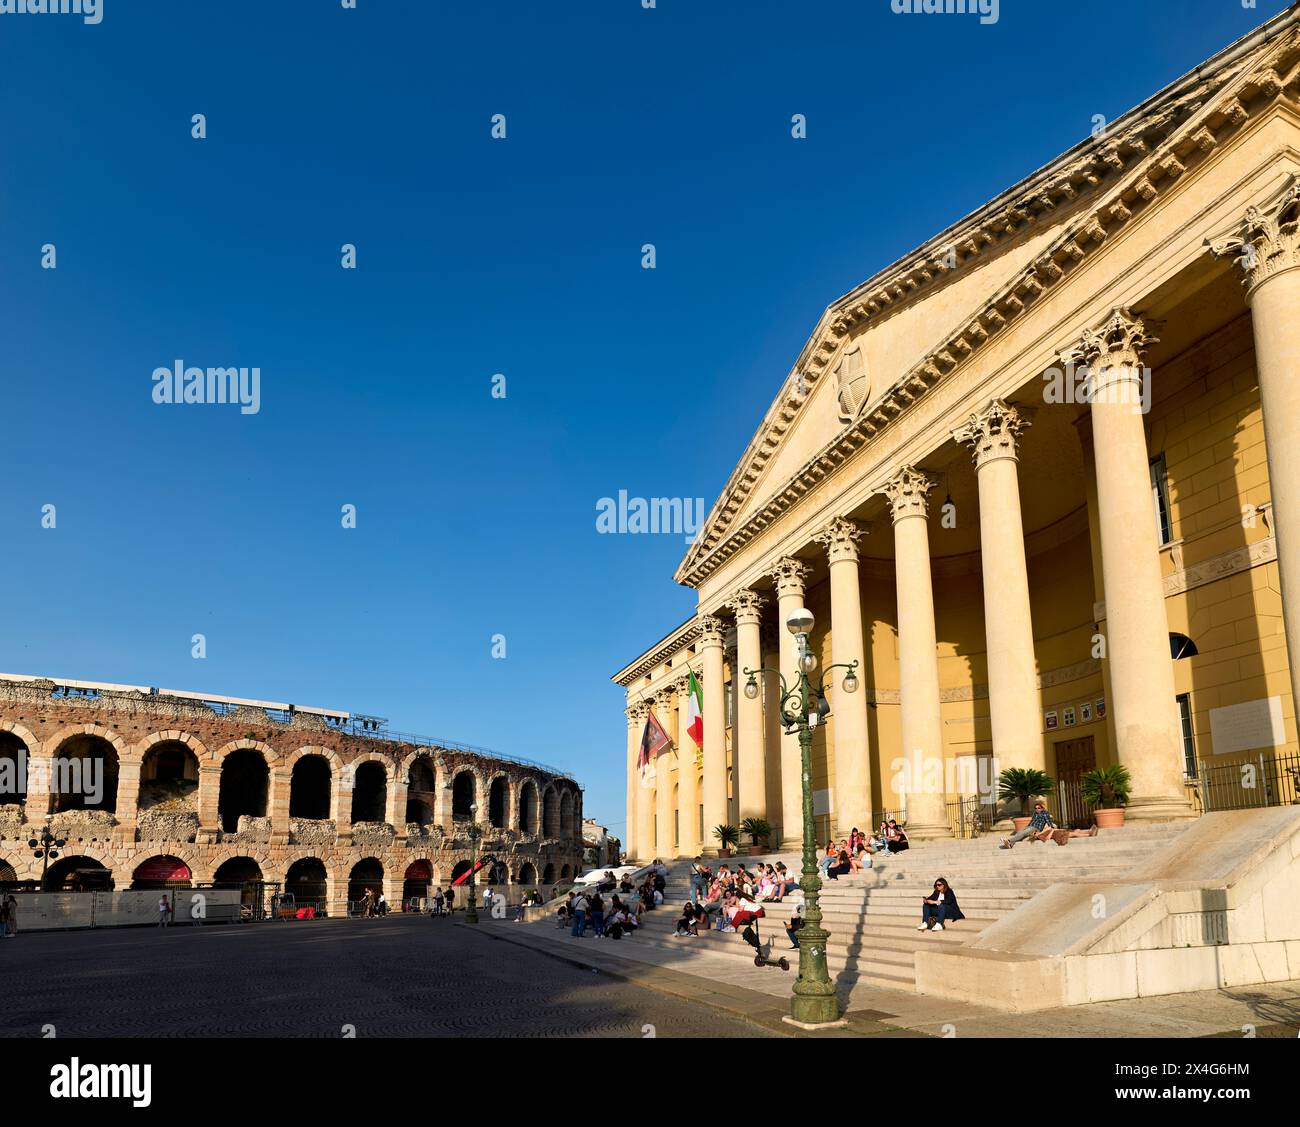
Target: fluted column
{"type": "Point", "coordinates": [1008, 626]}
{"type": "Point", "coordinates": [645, 796]}
{"type": "Point", "coordinates": [790, 575]}
{"type": "Point", "coordinates": [633, 783]}
{"type": "Point", "coordinates": [848, 710]}
{"type": "Point", "coordinates": [749, 743]}
{"type": "Point", "coordinates": [715, 729]}
{"type": "Point", "coordinates": [918, 657]}
{"type": "Point", "coordinates": [665, 847]}
{"type": "Point", "coordinates": [1143, 701]}
{"type": "Point", "coordinates": [688, 776]}
{"type": "Point", "coordinates": [1268, 250]}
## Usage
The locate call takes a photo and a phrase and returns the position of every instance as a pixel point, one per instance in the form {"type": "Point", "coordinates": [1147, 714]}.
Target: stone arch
{"type": "Point", "coordinates": [163, 870]}
{"type": "Point", "coordinates": [72, 751]}
{"type": "Point", "coordinates": [370, 782]}
{"type": "Point", "coordinates": [566, 873]}
{"type": "Point", "coordinates": [307, 879]}
{"type": "Point", "coordinates": [141, 748]}
{"type": "Point", "coordinates": [497, 873]}
{"type": "Point", "coordinates": [168, 766]}
{"type": "Point", "coordinates": [311, 783]}
{"type": "Point", "coordinates": [417, 880]}
{"type": "Point", "coordinates": [498, 800]}
{"type": "Point", "coordinates": [550, 813]}
{"type": "Point", "coordinates": [421, 772]}
{"type": "Point", "coordinates": [269, 753]}
{"type": "Point", "coordinates": [566, 814]}
{"type": "Point", "coordinates": [79, 871]}
{"type": "Point", "coordinates": [368, 873]}
{"type": "Point", "coordinates": [528, 807]}
{"type": "Point", "coordinates": [15, 763]}
{"type": "Point", "coordinates": [548, 873]}
{"type": "Point", "coordinates": [460, 868]}
{"type": "Point", "coordinates": [464, 794]}
{"type": "Point", "coordinates": [527, 873]}
{"type": "Point", "coordinates": [245, 785]}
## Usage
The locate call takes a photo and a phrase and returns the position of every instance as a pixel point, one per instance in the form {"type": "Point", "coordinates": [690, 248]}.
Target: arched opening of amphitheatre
{"type": "Point", "coordinates": [245, 779]}
{"type": "Point", "coordinates": [309, 788]}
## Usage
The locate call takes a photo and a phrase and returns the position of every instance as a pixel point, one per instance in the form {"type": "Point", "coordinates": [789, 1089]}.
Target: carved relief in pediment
{"type": "Point", "coordinates": [852, 382]}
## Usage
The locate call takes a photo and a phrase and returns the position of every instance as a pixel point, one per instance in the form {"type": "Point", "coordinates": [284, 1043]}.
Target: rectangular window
{"type": "Point", "coordinates": [656, 831]}
{"type": "Point", "coordinates": [677, 827]}
{"type": "Point", "coordinates": [729, 703]}
{"type": "Point", "coordinates": [1160, 499]}
{"type": "Point", "coordinates": [1189, 738]}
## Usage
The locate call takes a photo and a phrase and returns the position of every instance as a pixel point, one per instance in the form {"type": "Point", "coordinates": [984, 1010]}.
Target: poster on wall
{"type": "Point", "coordinates": [1068, 717]}
{"type": "Point", "coordinates": [1101, 708]}
{"type": "Point", "coordinates": [1050, 717]}
{"type": "Point", "coordinates": [1085, 712]}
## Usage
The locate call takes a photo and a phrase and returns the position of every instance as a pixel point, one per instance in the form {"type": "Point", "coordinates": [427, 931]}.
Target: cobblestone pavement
{"type": "Point", "coordinates": [399, 976]}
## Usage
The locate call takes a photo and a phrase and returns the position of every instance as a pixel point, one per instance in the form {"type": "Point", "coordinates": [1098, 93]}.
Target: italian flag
{"type": "Point", "coordinates": [695, 712]}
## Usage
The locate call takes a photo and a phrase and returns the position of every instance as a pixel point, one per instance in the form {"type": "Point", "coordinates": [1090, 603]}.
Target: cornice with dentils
{"type": "Point", "coordinates": [1150, 149]}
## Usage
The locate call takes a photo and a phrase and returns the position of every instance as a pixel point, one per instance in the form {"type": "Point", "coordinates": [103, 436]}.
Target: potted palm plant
{"type": "Point", "coordinates": [1106, 789]}
{"type": "Point", "coordinates": [759, 830]}
{"type": "Point", "coordinates": [1023, 785]}
{"type": "Point", "coordinates": [728, 837]}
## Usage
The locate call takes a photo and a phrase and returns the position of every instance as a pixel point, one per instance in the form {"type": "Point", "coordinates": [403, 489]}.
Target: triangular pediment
{"type": "Point", "coordinates": [883, 346]}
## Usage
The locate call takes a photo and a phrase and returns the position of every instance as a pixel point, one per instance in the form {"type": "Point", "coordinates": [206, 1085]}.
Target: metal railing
{"type": "Point", "coordinates": [1268, 780]}
{"type": "Point", "coordinates": [970, 817]}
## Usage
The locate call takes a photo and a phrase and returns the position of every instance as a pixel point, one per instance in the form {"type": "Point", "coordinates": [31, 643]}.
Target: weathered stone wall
{"type": "Point", "coordinates": [152, 819]}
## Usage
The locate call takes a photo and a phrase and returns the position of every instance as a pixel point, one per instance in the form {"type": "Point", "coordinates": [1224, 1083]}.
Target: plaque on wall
{"type": "Point", "coordinates": [1050, 719]}
{"type": "Point", "coordinates": [1255, 725]}
{"type": "Point", "coordinates": [1085, 712]}
{"type": "Point", "coordinates": [1101, 708]}
{"type": "Point", "coordinates": [1067, 717]}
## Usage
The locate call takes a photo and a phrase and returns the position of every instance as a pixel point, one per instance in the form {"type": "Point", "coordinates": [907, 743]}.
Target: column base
{"type": "Point", "coordinates": [1160, 808]}
{"type": "Point", "coordinates": [928, 831]}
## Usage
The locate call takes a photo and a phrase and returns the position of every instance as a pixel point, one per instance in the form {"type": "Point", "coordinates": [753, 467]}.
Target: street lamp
{"type": "Point", "coordinates": [802, 708]}
{"type": "Point", "coordinates": [45, 849]}
{"type": "Point", "coordinates": [471, 912]}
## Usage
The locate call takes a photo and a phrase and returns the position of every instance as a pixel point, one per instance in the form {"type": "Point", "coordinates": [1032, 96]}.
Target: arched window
{"type": "Point", "coordinates": [1181, 646]}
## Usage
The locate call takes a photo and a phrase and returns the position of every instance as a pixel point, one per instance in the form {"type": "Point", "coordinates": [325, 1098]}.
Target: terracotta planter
{"type": "Point", "coordinates": [1021, 823]}
{"type": "Point", "coordinates": [754, 850]}
{"type": "Point", "coordinates": [1109, 818]}
{"type": "Point", "coordinates": [723, 851]}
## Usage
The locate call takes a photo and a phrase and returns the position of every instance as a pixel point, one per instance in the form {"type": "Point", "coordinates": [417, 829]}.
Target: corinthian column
{"type": "Point", "coordinates": [1008, 628]}
{"type": "Point", "coordinates": [918, 658]}
{"type": "Point", "coordinates": [749, 743]}
{"type": "Point", "coordinates": [665, 844]}
{"type": "Point", "coordinates": [633, 783]}
{"type": "Point", "coordinates": [790, 575]}
{"type": "Point", "coordinates": [849, 710]}
{"type": "Point", "coordinates": [1143, 702]}
{"type": "Point", "coordinates": [715, 729]}
{"type": "Point", "coordinates": [1268, 250]}
{"type": "Point", "coordinates": [688, 775]}
{"type": "Point", "coordinates": [645, 795]}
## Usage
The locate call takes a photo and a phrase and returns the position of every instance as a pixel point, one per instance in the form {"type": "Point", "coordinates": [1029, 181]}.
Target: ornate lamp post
{"type": "Point", "coordinates": [471, 911]}
{"type": "Point", "coordinates": [46, 848]}
{"type": "Point", "coordinates": [802, 707]}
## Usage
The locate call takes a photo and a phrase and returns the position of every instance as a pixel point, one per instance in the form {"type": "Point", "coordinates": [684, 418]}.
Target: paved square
{"type": "Point", "coordinates": [393, 977]}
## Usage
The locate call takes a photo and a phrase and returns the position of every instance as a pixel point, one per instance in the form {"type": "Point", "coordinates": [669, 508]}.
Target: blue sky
{"type": "Point", "coordinates": [475, 515]}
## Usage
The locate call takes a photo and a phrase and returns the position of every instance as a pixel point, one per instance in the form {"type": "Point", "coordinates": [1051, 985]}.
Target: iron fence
{"type": "Point", "coordinates": [1268, 780]}
{"type": "Point", "coordinates": [970, 817]}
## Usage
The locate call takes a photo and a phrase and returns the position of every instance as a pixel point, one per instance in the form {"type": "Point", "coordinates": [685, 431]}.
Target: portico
{"type": "Point", "coordinates": [1040, 479]}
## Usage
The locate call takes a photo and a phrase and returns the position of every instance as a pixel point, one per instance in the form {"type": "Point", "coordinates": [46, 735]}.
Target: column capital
{"type": "Point", "coordinates": [906, 492]}
{"type": "Point", "coordinates": [840, 539]}
{"type": "Point", "coordinates": [1267, 239]}
{"type": "Point", "coordinates": [639, 711]}
{"type": "Point", "coordinates": [712, 630]}
{"type": "Point", "coordinates": [992, 432]}
{"type": "Point", "coordinates": [666, 698]}
{"type": "Point", "coordinates": [790, 575]}
{"type": "Point", "coordinates": [748, 606]}
{"type": "Point", "coordinates": [1119, 343]}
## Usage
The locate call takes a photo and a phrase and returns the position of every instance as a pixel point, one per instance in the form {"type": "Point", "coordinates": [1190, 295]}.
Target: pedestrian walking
{"type": "Point", "coordinates": [437, 901]}
{"type": "Point", "coordinates": [9, 917]}
{"type": "Point", "coordinates": [451, 900]}
{"type": "Point", "coordinates": [164, 911]}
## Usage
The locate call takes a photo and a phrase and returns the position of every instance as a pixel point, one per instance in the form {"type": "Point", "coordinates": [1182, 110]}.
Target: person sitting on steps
{"type": "Point", "coordinates": [1040, 828]}
{"type": "Point", "coordinates": [940, 905]}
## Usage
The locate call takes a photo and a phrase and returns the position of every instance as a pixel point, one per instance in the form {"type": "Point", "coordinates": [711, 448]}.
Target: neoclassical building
{"type": "Point", "coordinates": [1041, 479]}
{"type": "Point", "coordinates": [153, 788]}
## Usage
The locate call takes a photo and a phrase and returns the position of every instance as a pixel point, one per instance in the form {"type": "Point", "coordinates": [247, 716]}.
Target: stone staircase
{"type": "Point", "coordinates": [872, 916]}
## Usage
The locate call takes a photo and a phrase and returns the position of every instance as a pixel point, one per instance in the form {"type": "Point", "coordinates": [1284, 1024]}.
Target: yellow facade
{"type": "Point", "coordinates": [923, 425]}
